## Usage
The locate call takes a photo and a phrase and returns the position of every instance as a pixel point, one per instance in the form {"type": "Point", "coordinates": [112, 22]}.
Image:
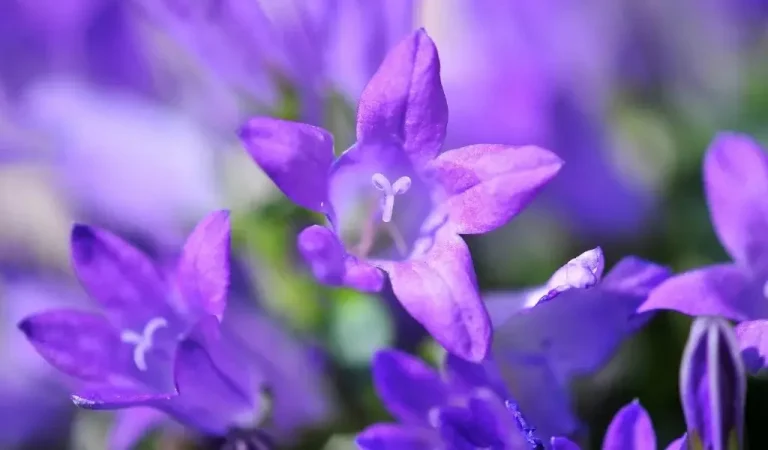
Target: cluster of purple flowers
{"type": "Point", "coordinates": [167, 343]}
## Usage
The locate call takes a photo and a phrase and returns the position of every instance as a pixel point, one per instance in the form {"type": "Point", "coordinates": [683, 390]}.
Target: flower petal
{"type": "Point", "coordinates": [488, 185]}
{"type": "Point", "coordinates": [680, 443]}
{"type": "Point", "coordinates": [212, 394]}
{"type": "Point", "coordinates": [81, 344]}
{"type": "Point", "coordinates": [131, 425]}
{"type": "Point", "coordinates": [717, 290]}
{"type": "Point", "coordinates": [387, 436]}
{"type": "Point", "coordinates": [407, 386]}
{"type": "Point", "coordinates": [114, 395]}
{"type": "Point", "coordinates": [439, 290]}
{"type": "Point", "coordinates": [405, 101]}
{"type": "Point", "coordinates": [467, 376]}
{"type": "Point", "coordinates": [561, 443]}
{"type": "Point", "coordinates": [713, 385]}
{"type": "Point", "coordinates": [630, 429]}
{"type": "Point", "coordinates": [583, 271]}
{"type": "Point", "coordinates": [296, 156]}
{"type": "Point", "coordinates": [736, 185]}
{"type": "Point", "coordinates": [753, 340]}
{"type": "Point", "coordinates": [332, 265]}
{"type": "Point", "coordinates": [636, 276]}
{"type": "Point", "coordinates": [203, 270]}
{"type": "Point", "coordinates": [120, 277]}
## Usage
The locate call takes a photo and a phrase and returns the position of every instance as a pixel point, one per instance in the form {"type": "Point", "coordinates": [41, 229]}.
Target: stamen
{"type": "Point", "coordinates": [143, 341]}
{"type": "Point", "coordinates": [399, 187]}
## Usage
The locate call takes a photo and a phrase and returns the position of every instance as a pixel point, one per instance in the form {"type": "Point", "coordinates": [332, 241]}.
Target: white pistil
{"type": "Point", "coordinates": [143, 341]}
{"type": "Point", "coordinates": [390, 190]}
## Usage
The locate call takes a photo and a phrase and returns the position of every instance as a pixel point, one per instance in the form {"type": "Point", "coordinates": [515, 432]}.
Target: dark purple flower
{"type": "Point", "coordinates": [713, 392]}
{"type": "Point", "coordinates": [466, 408]}
{"type": "Point", "coordinates": [396, 203]}
{"type": "Point", "coordinates": [157, 342]}
{"type": "Point", "coordinates": [546, 335]}
{"type": "Point", "coordinates": [736, 187]}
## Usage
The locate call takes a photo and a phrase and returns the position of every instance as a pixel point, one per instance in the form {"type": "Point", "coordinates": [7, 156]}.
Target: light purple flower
{"type": "Point", "coordinates": [466, 408]}
{"type": "Point", "coordinates": [712, 391]}
{"type": "Point", "coordinates": [736, 188]}
{"type": "Point", "coordinates": [157, 342]}
{"type": "Point", "coordinates": [412, 200]}
{"type": "Point", "coordinates": [572, 325]}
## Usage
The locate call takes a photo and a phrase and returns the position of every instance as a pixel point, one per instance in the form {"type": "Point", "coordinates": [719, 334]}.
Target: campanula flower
{"type": "Point", "coordinates": [395, 202]}
{"type": "Point", "coordinates": [712, 391]}
{"type": "Point", "coordinates": [157, 342]}
{"type": "Point", "coordinates": [546, 335]}
{"type": "Point", "coordinates": [467, 407]}
{"type": "Point", "coordinates": [736, 188]}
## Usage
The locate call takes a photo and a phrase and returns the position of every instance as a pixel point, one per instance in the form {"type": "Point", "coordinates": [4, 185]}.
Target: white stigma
{"type": "Point", "coordinates": [399, 187]}
{"type": "Point", "coordinates": [143, 341]}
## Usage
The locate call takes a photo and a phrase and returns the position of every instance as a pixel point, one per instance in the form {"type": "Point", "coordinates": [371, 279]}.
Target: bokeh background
{"type": "Point", "coordinates": [123, 114]}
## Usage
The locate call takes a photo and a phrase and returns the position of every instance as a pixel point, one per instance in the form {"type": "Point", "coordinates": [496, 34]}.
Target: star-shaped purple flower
{"type": "Point", "coordinates": [546, 335]}
{"type": "Point", "coordinates": [736, 187]}
{"type": "Point", "coordinates": [712, 391]}
{"type": "Point", "coordinates": [467, 407]}
{"type": "Point", "coordinates": [157, 342]}
{"type": "Point", "coordinates": [396, 203]}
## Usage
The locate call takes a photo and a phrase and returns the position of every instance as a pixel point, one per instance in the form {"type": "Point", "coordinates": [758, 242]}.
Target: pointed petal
{"type": "Point", "coordinates": [203, 270]}
{"type": "Point", "coordinates": [80, 344]}
{"type": "Point", "coordinates": [736, 185]}
{"type": "Point", "coordinates": [439, 290]}
{"type": "Point", "coordinates": [405, 102]}
{"type": "Point", "coordinates": [561, 443]}
{"type": "Point", "coordinates": [713, 384]}
{"type": "Point", "coordinates": [296, 156]}
{"type": "Point", "coordinates": [386, 436]}
{"type": "Point", "coordinates": [120, 277]}
{"type": "Point", "coordinates": [583, 271]}
{"type": "Point", "coordinates": [332, 265]}
{"type": "Point", "coordinates": [718, 290]}
{"type": "Point", "coordinates": [407, 386]}
{"type": "Point", "coordinates": [630, 429]}
{"type": "Point", "coordinates": [753, 341]}
{"type": "Point", "coordinates": [131, 425]}
{"type": "Point", "coordinates": [680, 443]}
{"type": "Point", "coordinates": [488, 185]}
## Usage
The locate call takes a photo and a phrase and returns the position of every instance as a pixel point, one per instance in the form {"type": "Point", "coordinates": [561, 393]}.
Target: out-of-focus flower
{"type": "Point", "coordinates": [92, 40]}
{"type": "Point", "coordinates": [158, 342]}
{"type": "Point", "coordinates": [468, 407]}
{"type": "Point", "coordinates": [736, 188]}
{"type": "Point", "coordinates": [29, 386]}
{"type": "Point", "coordinates": [540, 72]}
{"type": "Point", "coordinates": [545, 336]}
{"type": "Point", "coordinates": [123, 161]}
{"type": "Point", "coordinates": [398, 163]}
{"type": "Point", "coordinates": [713, 394]}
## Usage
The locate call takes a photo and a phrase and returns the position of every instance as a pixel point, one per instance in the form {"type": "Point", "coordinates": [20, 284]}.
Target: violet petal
{"type": "Point", "coordinates": [387, 436]}
{"type": "Point", "coordinates": [630, 429]}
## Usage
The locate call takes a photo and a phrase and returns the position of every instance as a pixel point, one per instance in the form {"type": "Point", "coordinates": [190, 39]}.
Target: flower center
{"type": "Point", "coordinates": [390, 190]}
{"type": "Point", "coordinates": [143, 341]}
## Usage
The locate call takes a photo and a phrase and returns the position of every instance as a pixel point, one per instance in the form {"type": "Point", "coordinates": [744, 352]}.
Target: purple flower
{"type": "Point", "coordinates": [468, 407]}
{"type": "Point", "coordinates": [712, 390]}
{"type": "Point", "coordinates": [544, 336]}
{"type": "Point", "coordinates": [736, 187]}
{"type": "Point", "coordinates": [157, 342]}
{"type": "Point", "coordinates": [396, 203]}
